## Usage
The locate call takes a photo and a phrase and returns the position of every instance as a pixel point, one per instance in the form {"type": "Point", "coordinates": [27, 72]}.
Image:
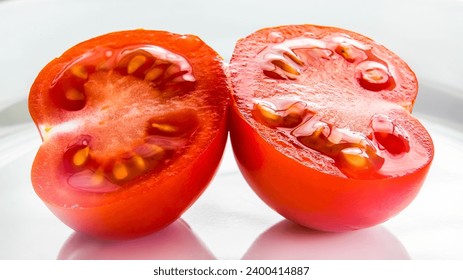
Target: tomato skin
{"type": "Point", "coordinates": [140, 213]}
{"type": "Point", "coordinates": [312, 198]}
{"type": "Point", "coordinates": [152, 200]}
{"type": "Point", "coordinates": [314, 193]}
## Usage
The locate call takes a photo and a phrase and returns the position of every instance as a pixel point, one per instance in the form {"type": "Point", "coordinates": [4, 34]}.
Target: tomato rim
{"type": "Point", "coordinates": [270, 159]}
{"type": "Point", "coordinates": [75, 206]}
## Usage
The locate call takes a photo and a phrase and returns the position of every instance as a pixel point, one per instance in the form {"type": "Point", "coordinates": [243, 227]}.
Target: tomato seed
{"type": "Point", "coordinates": [154, 73]}
{"type": "Point", "coordinates": [351, 151]}
{"type": "Point", "coordinates": [135, 63]}
{"type": "Point", "coordinates": [81, 156]}
{"type": "Point", "coordinates": [280, 112]}
{"type": "Point", "coordinates": [355, 157]}
{"type": "Point", "coordinates": [294, 58]}
{"type": "Point", "coordinates": [74, 95]}
{"type": "Point", "coordinates": [139, 162]}
{"type": "Point", "coordinates": [266, 114]}
{"type": "Point", "coordinates": [164, 127]}
{"type": "Point", "coordinates": [79, 71]}
{"type": "Point", "coordinates": [279, 60]}
{"type": "Point", "coordinates": [172, 70]}
{"type": "Point", "coordinates": [350, 53]}
{"type": "Point", "coordinates": [149, 150]}
{"type": "Point", "coordinates": [286, 67]}
{"type": "Point", "coordinates": [120, 171]}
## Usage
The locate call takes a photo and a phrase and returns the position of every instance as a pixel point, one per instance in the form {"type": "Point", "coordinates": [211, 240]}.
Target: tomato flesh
{"type": "Point", "coordinates": [133, 126]}
{"type": "Point", "coordinates": [321, 126]}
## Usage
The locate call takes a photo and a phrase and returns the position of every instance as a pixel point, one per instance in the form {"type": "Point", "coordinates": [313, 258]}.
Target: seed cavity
{"type": "Point", "coordinates": [287, 59]}
{"type": "Point", "coordinates": [165, 138]}
{"type": "Point", "coordinates": [373, 76]}
{"type": "Point", "coordinates": [357, 155]}
{"type": "Point", "coordinates": [280, 113]}
{"type": "Point", "coordinates": [353, 153]}
{"type": "Point", "coordinates": [390, 135]}
{"type": "Point", "coordinates": [92, 181]}
{"type": "Point", "coordinates": [162, 69]}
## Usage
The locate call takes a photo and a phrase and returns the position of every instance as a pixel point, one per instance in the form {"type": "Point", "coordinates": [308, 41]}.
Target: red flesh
{"type": "Point", "coordinates": [118, 118]}
{"type": "Point", "coordinates": [321, 126]}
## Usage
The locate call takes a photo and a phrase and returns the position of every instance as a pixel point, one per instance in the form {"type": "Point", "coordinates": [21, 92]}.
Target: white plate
{"type": "Point", "coordinates": [229, 221]}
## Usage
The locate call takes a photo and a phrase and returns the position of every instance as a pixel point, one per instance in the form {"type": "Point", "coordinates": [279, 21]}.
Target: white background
{"type": "Point", "coordinates": [229, 222]}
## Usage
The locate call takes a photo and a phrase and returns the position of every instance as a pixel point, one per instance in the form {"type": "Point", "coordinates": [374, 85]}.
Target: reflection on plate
{"type": "Point", "coordinates": [176, 242]}
{"type": "Point", "coordinates": [288, 241]}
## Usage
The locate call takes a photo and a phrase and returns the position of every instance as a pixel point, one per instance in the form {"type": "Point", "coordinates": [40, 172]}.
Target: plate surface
{"type": "Point", "coordinates": [229, 221]}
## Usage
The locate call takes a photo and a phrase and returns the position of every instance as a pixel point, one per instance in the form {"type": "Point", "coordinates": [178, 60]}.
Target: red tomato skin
{"type": "Point", "coordinates": [307, 195]}
{"type": "Point", "coordinates": [141, 213]}
{"type": "Point", "coordinates": [154, 200]}
{"type": "Point", "coordinates": [314, 199]}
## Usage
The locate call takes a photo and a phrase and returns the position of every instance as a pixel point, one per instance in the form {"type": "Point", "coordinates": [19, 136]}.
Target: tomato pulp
{"type": "Point", "coordinates": [133, 125]}
{"type": "Point", "coordinates": [322, 129]}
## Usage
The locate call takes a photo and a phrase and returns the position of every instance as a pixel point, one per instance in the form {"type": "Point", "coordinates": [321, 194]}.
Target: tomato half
{"type": "Point", "coordinates": [322, 128]}
{"type": "Point", "coordinates": [133, 126]}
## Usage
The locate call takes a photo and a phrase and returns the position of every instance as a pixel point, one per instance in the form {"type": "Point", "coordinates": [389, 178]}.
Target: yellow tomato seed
{"type": "Point", "coordinates": [80, 157]}
{"type": "Point", "coordinates": [355, 157]}
{"type": "Point", "coordinates": [74, 95]}
{"type": "Point", "coordinates": [154, 73]}
{"type": "Point", "coordinates": [139, 162]}
{"type": "Point", "coordinates": [267, 113]}
{"type": "Point", "coordinates": [135, 63]}
{"type": "Point", "coordinates": [120, 171]}
{"type": "Point", "coordinates": [285, 67]}
{"type": "Point", "coordinates": [79, 71]}
{"type": "Point", "coordinates": [164, 127]}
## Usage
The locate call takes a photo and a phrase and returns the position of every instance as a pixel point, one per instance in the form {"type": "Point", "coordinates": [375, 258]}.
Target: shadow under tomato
{"type": "Point", "coordinates": [289, 241]}
{"type": "Point", "coordinates": [175, 242]}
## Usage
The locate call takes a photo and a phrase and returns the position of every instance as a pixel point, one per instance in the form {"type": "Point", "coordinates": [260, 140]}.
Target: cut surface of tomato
{"type": "Point", "coordinates": [133, 126]}
{"type": "Point", "coordinates": [322, 127]}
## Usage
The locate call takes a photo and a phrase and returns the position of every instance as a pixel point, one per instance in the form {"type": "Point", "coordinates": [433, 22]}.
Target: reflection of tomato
{"type": "Point", "coordinates": [321, 126]}
{"type": "Point", "coordinates": [175, 242]}
{"type": "Point", "coordinates": [133, 126]}
{"type": "Point", "coordinates": [288, 241]}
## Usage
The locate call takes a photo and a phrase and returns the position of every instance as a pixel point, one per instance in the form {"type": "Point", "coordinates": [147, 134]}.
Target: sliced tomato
{"type": "Point", "coordinates": [133, 126]}
{"type": "Point", "coordinates": [322, 127]}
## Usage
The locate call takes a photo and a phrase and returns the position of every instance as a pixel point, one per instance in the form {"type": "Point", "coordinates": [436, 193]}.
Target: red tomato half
{"type": "Point", "coordinates": [321, 126]}
{"type": "Point", "coordinates": [133, 126]}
